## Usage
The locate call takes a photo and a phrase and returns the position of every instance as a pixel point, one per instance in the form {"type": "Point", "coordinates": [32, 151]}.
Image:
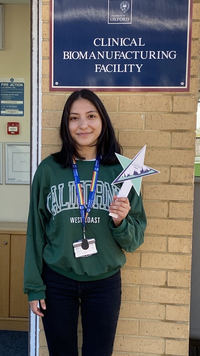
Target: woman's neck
{"type": "Point", "coordinates": [88, 152]}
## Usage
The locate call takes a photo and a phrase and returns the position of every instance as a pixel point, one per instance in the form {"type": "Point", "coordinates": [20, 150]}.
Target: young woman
{"type": "Point", "coordinates": [75, 250]}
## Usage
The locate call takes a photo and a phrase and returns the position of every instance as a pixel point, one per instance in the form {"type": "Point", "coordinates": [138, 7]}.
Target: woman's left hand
{"type": "Point", "coordinates": [120, 207]}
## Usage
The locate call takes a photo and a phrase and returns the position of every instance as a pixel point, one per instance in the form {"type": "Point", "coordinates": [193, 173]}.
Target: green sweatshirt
{"type": "Point", "coordinates": [54, 224]}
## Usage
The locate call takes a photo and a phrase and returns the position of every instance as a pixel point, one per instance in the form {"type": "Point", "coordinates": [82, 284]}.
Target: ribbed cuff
{"type": "Point", "coordinates": [36, 296]}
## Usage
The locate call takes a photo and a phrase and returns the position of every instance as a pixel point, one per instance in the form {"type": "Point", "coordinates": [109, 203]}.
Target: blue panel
{"type": "Point", "coordinates": [120, 44]}
{"type": "Point", "coordinates": [11, 98]}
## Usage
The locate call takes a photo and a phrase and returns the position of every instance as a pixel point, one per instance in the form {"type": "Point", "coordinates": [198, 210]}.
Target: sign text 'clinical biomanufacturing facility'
{"type": "Point", "coordinates": [139, 45]}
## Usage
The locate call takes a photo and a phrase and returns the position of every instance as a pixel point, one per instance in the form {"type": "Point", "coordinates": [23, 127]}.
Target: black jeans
{"type": "Point", "coordinates": [99, 302]}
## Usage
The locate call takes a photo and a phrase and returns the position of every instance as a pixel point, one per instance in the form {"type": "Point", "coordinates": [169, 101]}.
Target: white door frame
{"type": "Point", "coordinates": [36, 93]}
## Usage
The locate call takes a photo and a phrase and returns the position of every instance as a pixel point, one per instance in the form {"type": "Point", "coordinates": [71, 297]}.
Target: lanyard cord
{"type": "Point", "coordinates": [84, 212]}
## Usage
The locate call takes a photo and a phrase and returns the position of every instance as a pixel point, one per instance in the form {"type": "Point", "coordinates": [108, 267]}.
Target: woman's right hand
{"type": "Point", "coordinates": [35, 309]}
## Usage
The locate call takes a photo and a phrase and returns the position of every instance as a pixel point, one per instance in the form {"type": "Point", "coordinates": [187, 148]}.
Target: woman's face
{"type": "Point", "coordinates": [85, 124]}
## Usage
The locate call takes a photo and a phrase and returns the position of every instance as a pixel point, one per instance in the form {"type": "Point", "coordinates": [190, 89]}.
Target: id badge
{"type": "Point", "coordinates": [84, 248]}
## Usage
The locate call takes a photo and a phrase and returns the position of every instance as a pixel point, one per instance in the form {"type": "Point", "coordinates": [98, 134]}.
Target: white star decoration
{"type": "Point", "coordinates": [133, 172]}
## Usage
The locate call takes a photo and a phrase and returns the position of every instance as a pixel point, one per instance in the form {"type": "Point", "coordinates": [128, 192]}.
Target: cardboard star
{"type": "Point", "coordinates": [133, 172]}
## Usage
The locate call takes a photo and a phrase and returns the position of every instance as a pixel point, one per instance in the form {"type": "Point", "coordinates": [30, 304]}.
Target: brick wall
{"type": "Point", "coordinates": [154, 318]}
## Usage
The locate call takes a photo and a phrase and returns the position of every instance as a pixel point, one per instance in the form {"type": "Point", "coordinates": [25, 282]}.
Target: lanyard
{"type": "Point", "coordinates": [84, 212]}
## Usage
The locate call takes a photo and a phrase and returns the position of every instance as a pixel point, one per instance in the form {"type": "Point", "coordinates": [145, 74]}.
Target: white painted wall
{"type": "Point", "coordinates": [15, 62]}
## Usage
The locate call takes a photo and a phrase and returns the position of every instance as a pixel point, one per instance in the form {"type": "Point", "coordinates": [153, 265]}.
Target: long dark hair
{"type": "Point", "coordinates": [107, 143]}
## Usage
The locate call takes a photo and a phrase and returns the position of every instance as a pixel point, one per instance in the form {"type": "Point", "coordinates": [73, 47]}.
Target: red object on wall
{"type": "Point", "coordinates": [13, 128]}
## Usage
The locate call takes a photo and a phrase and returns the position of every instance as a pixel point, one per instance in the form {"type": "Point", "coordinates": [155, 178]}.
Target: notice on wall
{"type": "Point", "coordinates": [120, 45]}
{"type": "Point", "coordinates": [11, 97]}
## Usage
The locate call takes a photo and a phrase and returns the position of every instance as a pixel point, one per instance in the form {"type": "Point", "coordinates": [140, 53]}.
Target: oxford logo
{"type": "Point", "coordinates": [124, 6]}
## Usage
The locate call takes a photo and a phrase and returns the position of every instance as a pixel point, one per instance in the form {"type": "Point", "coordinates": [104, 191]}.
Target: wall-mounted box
{"type": "Point", "coordinates": [13, 128]}
{"type": "Point", "coordinates": [1, 27]}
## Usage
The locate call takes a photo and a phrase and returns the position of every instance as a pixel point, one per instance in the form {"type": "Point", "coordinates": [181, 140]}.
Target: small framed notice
{"type": "Point", "coordinates": [17, 160]}
{"type": "Point", "coordinates": [11, 97]}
